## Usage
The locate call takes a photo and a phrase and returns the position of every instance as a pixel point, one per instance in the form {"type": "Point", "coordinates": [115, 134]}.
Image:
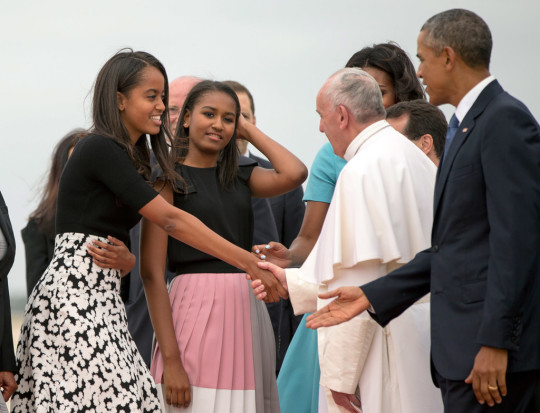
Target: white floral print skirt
{"type": "Point", "coordinates": [75, 352]}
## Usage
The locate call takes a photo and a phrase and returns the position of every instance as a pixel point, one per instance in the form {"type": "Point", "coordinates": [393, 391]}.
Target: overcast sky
{"type": "Point", "coordinates": [281, 50]}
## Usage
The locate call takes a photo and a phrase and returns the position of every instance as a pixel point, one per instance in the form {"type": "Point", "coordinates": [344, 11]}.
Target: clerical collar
{"type": "Point", "coordinates": [362, 137]}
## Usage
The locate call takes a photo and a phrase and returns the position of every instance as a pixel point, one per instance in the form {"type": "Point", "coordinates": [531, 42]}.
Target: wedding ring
{"type": "Point", "coordinates": [492, 387]}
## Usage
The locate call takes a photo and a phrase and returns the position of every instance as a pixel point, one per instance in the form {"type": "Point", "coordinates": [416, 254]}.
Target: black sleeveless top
{"type": "Point", "coordinates": [225, 211]}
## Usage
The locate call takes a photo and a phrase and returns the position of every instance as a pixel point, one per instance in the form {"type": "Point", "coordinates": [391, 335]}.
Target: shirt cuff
{"type": "Point", "coordinates": [303, 294]}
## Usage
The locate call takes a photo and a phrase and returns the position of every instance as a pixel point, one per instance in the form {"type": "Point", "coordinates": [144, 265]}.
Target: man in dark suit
{"type": "Point", "coordinates": [275, 219]}
{"type": "Point", "coordinates": [483, 268]}
{"type": "Point", "coordinates": [7, 256]}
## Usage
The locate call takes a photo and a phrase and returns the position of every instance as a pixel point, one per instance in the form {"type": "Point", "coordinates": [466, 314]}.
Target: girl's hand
{"type": "Point", "coordinates": [113, 255]}
{"type": "Point", "coordinates": [242, 129]}
{"type": "Point", "coordinates": [177, 387]}
{"type": "Point", "coordinates": [273, 252]}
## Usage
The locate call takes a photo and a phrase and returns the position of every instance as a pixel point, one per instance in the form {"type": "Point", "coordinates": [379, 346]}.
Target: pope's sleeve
{"type": "Point", "coordinates": [343, 348]}
{"type": "Point", "coordinates": [302, 293]}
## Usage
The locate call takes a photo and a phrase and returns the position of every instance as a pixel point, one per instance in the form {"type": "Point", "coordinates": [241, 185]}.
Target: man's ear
{"type": "Point", "coordinates": [255, 120]}
{"type": "Point", "coordinates": [426, 143]}
{"type": "Point", "coordinates": [343, 114]}
{"type": "Point", "coordinates": [120, 99]}
{"type": "Point", "coordinates": [450, 57]}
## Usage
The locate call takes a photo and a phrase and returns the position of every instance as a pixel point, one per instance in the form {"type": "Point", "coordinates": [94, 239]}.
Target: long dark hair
{"type": "Point", "coordinates": [45, 213]}
{"type": "Point", "coordinates": [122, 73]}
{"type": "Point", "coordinates": [391, 59]}
{"type": "Point", "coordinates": [228, 160]}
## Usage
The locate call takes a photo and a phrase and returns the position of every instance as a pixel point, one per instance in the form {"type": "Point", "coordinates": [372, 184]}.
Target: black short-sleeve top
{"type": "Point", "coordinates": [100, 191]}
{"type": "Point", "coordinates": [225, 211]}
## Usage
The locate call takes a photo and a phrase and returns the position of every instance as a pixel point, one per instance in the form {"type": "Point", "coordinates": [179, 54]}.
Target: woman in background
{"type": "Point", "coordinates": [38, 235]}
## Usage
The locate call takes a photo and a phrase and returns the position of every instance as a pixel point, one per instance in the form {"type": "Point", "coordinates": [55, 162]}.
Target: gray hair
{"type": "Point", "coordinates": [358, 92]}
{"type": "Point", "coordinates": [464, 31]}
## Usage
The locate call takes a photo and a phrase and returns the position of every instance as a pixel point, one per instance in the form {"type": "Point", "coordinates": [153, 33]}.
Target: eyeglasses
{"type": "Point", "coordinates": [174, 111]}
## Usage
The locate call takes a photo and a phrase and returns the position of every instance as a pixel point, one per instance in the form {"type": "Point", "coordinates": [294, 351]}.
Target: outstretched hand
{"type": "Point", "coordinates": [269, 287]}
{"type": "Point", "coordinates": [350, 302]}
{"type": "Point", "coordinates": [113, 255]}
{"type": "Point", "coordinates": [273, 252]}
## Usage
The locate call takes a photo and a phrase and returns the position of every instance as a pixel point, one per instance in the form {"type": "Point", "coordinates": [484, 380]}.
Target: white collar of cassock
{"type": "Point", "coordinates": [363, 137]}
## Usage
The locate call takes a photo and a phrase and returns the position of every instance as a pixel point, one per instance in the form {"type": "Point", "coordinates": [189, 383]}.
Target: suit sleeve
{"type": "Point", "coordinates": [510, 155]}
{"type": "Point", "coordinates": [7, 356]}
{"type": "Point", "coordinates": [293, 214]}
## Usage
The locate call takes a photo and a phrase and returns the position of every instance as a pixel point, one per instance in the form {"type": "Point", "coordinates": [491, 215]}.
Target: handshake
{"type": "Point", "coordinates": [274, 257]}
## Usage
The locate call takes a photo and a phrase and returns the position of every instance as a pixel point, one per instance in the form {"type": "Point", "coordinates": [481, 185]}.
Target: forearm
{"type": "Point", "coordinates": [300, 249]}
{"type": "Point", "coordinates": [310, 230]}
{"type": "Point", "coordinates": [161, 316]}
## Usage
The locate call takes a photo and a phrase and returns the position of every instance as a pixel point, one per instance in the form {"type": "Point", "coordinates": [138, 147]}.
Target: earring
{"type": "Point", "coordinates": [185, 124]}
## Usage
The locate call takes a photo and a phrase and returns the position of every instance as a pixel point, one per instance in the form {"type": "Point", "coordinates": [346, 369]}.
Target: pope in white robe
{"type": "Point", "coordinates": [379, 218]}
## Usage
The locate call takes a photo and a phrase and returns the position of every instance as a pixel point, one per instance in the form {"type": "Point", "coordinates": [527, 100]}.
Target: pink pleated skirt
{"type": "Point", "coordinates": [226, 343]}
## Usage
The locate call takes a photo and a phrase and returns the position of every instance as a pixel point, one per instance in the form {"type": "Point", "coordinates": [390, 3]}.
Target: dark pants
{"type": "Point", "coordinates": [458, 396]}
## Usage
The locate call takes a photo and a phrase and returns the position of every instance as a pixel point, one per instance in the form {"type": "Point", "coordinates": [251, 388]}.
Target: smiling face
{"type": "Point", "coordinates": [432, 71]}
{"type": "Point", "coordinates": [211, 124]}
{"type": "Point", "coordinates": [329, 122]}
{"type": "Point", "coordinates": [141, 109]}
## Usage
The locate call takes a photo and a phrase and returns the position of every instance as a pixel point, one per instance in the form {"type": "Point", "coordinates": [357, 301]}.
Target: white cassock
{"type": "Point", "coordinates": [379, 218]}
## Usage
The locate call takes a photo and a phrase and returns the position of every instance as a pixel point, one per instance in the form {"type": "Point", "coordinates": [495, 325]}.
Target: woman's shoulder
{"type": "Point", "coordinates": [99, 146]}
{"type": "Point", "coordinates": [95, 139]}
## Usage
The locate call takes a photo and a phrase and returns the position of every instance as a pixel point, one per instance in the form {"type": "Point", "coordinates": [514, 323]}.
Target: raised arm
{"type": "Point", "coordinates": [190, 230]}
{"type": "Point", "coordinates": [153, 254]}
{"type": "Point", "coordinates": [288, 173]}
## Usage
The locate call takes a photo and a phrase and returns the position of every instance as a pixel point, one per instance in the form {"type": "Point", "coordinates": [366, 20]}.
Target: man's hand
{"type": "Point", "coordinates": [488, 375]}
{"type": "Point", "coordinates": [8, 384]}
{"type": "Point", "coordinates": [349, 402]}
{"type": "Point", "coordinates": [273, 252]}
{"type": "Point", "coordinates": [350, 302]}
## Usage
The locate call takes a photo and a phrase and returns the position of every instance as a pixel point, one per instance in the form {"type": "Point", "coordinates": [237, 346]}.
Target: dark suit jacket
{"type": "Point", "coordinates": [483, 266]}
{"type": "Point", "coordinates": [7, 357]}
{"type": "Point", "coordinates": [39, 250]}
{"type": "Point", "coordinates": [287, 210]}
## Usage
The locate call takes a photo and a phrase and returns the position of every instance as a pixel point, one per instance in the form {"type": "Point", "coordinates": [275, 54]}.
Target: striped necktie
{"type": "Point", "coordinates": [451, 132]}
